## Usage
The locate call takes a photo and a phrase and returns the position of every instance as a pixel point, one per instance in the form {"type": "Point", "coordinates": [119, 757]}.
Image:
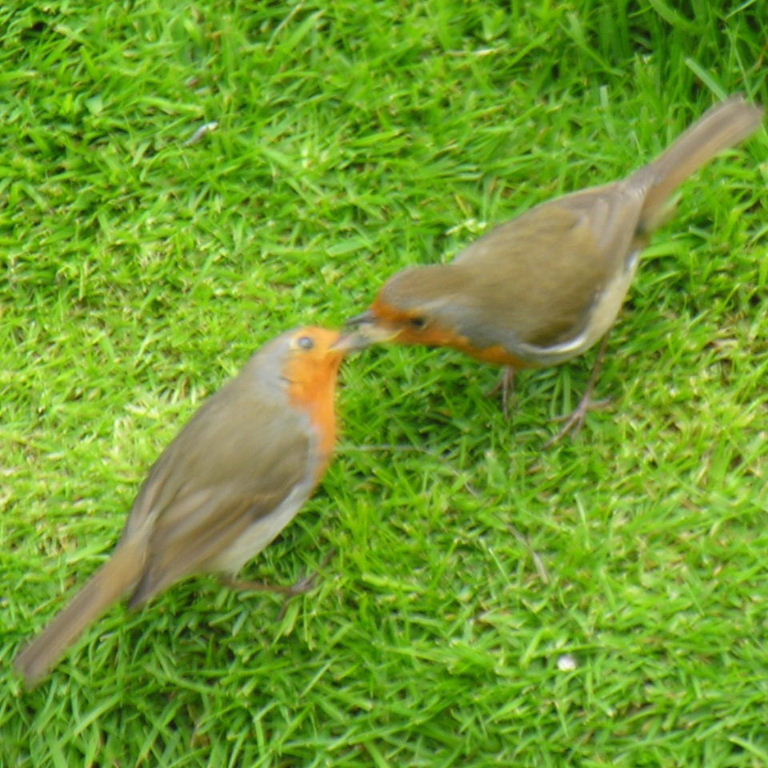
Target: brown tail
{"type": "Point", "coordinates": [724, 125]}
{"type": "Point", "coordinates": [113, 580]}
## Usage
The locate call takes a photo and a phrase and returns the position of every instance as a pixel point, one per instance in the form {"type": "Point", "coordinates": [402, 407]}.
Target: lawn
{"type": "Point", "coordinates": [599, 603]}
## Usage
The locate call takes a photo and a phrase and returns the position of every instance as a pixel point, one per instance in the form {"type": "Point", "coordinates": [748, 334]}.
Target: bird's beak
{"type": "Point", "coordinates": [365, 319]}
{"type": "Point", "coordinates": [368, 326]}
{"type": "Point", "coordinates": [351, 341]}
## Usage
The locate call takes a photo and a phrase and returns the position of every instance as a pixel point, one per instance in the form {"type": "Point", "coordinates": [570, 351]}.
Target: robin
{"type": "Point", "coordinates": [546, 286]}
{"type": "Point", "coordinates": [233, 478]}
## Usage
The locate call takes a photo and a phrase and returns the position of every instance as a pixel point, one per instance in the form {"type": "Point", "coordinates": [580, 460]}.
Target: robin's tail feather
{"type": "Point", "coordinates": [111, 582]}
{"type": "Point", "coordinates": [723, 126]}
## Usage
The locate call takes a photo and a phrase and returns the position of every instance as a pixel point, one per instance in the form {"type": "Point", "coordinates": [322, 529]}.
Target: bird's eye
{"type": "Point", "coordinates": [305, 342]}
{"type": "Point", "coordinates": [417, 323]}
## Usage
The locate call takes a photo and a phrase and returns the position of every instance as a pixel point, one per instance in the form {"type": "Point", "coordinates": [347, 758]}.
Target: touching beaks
{"type": "Point", "coordinates": [361, 332]}
{"type": "Point", "coordinates": [367, 325]}
{"type": "Point", "coordinates": [351, 341]}
{"type": "Point", "coordinates": [366, 318]}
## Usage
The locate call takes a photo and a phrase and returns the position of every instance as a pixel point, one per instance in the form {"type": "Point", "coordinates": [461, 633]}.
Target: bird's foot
{"type": "Point", "coordinates": [506, 386]}
{"type": "Point", "coordinates": [307, 584]}
{"type": "Point", "coordinates": [575, 421]}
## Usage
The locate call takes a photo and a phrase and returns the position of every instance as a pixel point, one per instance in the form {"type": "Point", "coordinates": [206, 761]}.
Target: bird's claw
{"type": "Point", "coordinates": [505, 385]}
{"type": "Point", "coordinates": [307, 584]}
{"type": "Point", "coordinates": [575, 421]}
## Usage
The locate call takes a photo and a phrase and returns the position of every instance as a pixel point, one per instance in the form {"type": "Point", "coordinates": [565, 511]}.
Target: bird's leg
{"type": "Point", "coordinates": [575, 421]}
{"type": "Point", "coordinates": [506, 386]}
{"type": "Point", "coordinates": [307, 584]}
{"type": "Point", "coordinates": [243, 585]}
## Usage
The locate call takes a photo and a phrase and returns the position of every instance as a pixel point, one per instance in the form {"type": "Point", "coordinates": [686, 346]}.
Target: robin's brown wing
{"type": "Point", "coordinates": [533, 281]}
{"type": "Point", "coordinates": [238, 459]}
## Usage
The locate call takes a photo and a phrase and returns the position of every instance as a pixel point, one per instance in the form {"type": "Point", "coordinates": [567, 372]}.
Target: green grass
{"type": "Point", "coordinates": [354, 139]}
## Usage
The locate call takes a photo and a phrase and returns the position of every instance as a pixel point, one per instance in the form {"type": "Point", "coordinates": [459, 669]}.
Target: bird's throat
{"type": "Point", "coordinates": [315, 395]}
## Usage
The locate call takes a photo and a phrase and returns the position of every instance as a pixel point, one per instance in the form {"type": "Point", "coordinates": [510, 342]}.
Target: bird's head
{"type": "Point", "coordinates": [312, 354]}
{"type": "Point", "coordinates": [307, 362]}
{"type": "Point", "coordinates": [415, 307]}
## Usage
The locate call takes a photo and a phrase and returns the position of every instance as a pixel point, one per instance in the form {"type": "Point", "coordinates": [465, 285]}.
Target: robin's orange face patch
{"type": "Point", "coordinates": [312, 370]}
{"type": "Point", "coordinates": [412, 327]}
